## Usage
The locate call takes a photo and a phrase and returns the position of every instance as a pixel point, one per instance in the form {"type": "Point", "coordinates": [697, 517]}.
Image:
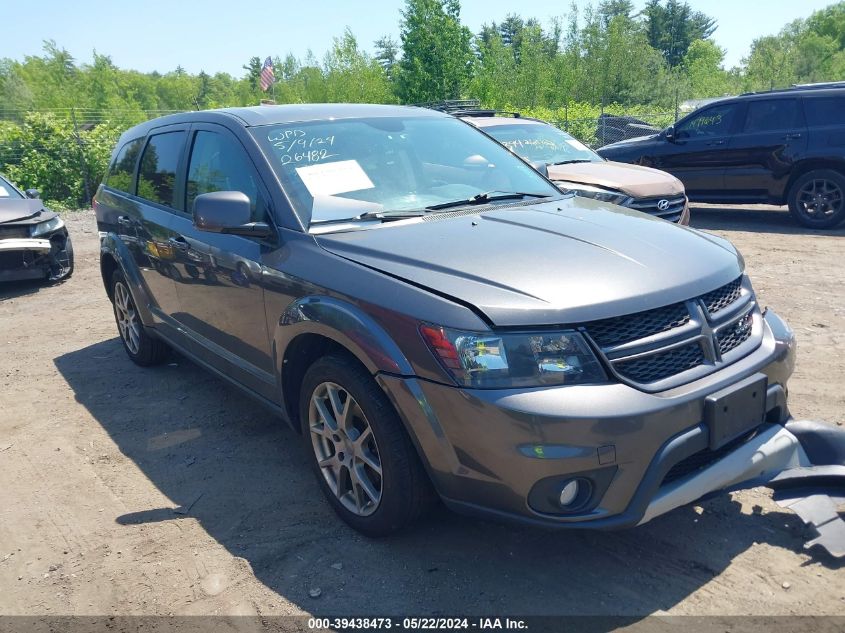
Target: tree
{"type": "Point", "coordinates": [387, 54]}
{"type": "Point", "coordinates": [436, 53]}
{"type": "Point", "coordinates": [671, 29]}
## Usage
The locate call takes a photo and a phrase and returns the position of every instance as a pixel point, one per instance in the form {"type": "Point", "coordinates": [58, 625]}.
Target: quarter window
{"type": "Point", "coordinates": [159, 163]}
{"type": "Point", "coordinates": [764, 116]}
{"type": "Point", "coordinates": [821, 111]}
{"type": "Point", "coordinates": [122, 172]}
{"type": "Point", "coordinates": [715, 121]}
{"type": "Point", "coordinates": [219, 163]}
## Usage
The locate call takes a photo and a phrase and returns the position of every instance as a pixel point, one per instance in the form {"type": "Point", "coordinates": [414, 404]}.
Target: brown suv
{"type": "Point", "coordinates": [575, 167]}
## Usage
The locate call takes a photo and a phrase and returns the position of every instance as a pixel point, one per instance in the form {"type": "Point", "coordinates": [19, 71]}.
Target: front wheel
{"type": "Point", "coordinates": [362, 456]}
{"type": "Point", "coordinates": [140, 346]}
{"type": "Point", "coordinates": [817, 199]}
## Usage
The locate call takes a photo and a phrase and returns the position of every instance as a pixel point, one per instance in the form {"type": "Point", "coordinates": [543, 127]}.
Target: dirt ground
{"type": "Point", "coordinates": [96, 453]}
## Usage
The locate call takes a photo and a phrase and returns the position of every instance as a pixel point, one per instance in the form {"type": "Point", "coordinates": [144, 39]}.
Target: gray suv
{"type": "Point", "coordinates": [436, 319]}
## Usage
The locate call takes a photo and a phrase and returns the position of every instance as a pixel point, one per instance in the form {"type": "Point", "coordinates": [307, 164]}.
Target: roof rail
{"type": "Point", "coordinates": [451, 105]}
{"type": "Point", "coordinates": [821, 85]}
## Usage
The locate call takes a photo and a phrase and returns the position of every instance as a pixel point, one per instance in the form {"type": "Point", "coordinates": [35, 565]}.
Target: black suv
{"type": "Point", "coordinates": [780, 147]}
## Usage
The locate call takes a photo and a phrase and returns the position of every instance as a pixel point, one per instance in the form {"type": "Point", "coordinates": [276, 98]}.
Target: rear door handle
{"type": "Point", "coordinates": [716, 143]}
{"type": "Point", "coordinates": [792, 136]}
{"type": "Point", "coordinates": [178, 242]}
{"type": "Point", "coordinates": [124, 220]}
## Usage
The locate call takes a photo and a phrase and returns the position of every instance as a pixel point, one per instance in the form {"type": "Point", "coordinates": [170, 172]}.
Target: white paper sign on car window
{"type": "Point", "coordinates": [4, 193]}
{"type": "Point", "coordinates": [328, 179]}
{"type": "Point", "coordinates": [577, 144]}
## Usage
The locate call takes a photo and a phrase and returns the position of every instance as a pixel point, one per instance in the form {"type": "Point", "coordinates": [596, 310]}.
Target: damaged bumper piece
{"type": "Point", "coordinates": [802, 461]}
{"type": "Point", "coordinates": [34, 258]}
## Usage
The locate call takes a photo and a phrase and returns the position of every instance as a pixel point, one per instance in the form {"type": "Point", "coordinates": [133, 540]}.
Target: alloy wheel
{"type": "Point", "coordinates": [820, 199]}
{"type": "Point", "coordinates": [127, 318]}
{"type": "Point", "coordinates": [345, 448]}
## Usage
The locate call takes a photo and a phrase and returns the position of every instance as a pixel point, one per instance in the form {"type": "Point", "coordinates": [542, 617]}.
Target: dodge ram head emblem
{"type": "Point", "coordinates": [662, 205]}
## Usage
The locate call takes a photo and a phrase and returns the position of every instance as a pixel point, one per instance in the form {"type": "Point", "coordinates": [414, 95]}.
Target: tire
{"type": "Point", "coordinates": [65, 268]}
{"type": "Point", "coordinates": [402, 489]}
{"type": "Point", "coordinates": [142, 348]}
{"type": "Point", "coordinates": [817, 199]}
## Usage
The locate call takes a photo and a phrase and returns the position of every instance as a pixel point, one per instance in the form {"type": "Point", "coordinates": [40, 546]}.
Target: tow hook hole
{"type": "Point", "coordinates": [725, 409]}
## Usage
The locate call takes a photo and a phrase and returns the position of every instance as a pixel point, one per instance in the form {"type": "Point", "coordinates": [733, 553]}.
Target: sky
{"type": "Point", "coordinates": [219, 35]}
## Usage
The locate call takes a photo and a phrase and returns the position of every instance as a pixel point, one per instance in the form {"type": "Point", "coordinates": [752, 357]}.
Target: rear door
{"type": "Point", "coordinates": [698, 151]}
{"type": "Point", "coordinates": [825, 115]}
{"type": "Point", "coordinates": [761, 155]}
{"type": "Point", "coordinates": [221, 292]}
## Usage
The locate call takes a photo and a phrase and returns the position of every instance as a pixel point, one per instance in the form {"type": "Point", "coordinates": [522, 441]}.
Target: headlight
{"type": "Point", "coordinates": [499, 361]}
{"type": "Point", "coordinates": [588, 191]}
{"type": "Point", "coordinates": [42, 228]}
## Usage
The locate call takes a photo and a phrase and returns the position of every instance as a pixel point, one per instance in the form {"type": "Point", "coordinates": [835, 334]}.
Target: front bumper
{"type": "Point", "coordinates": [36, 258]}
{"type": "Point", "coordinates": [488, 451]}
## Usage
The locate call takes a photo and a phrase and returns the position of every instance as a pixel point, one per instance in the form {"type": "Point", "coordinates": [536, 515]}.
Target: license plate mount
{"type": "Point", "coordinates": [735, 410]}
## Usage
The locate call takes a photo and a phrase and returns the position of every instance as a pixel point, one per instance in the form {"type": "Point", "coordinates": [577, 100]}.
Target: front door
{"type": "Point", "coordinates": [221, 293]}
{"type": "Point", "coordinates": [697, 152]}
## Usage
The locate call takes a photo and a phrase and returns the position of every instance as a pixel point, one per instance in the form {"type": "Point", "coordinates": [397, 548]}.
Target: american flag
{"type": "Point", "coordinates": [267, 76]}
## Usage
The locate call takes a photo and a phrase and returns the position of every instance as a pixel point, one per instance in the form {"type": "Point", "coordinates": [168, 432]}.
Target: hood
{"type": "Point", "coordinates": [635, 180]}
{"type": "Point", "coordinates": [561, 262]}
{"type": "Point", "coordinates": [629, 141]}
{"type": "Point", "coordinates": [22, 209]}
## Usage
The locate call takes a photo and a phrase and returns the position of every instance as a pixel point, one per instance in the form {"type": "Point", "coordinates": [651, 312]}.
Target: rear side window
{"type": "Point", "coordinates": [776, 114]}
{"type": "Point", "coordinates": [219, 163]}
{"type": "Point", "coordinates": [121, 174]}
{"type": "Point", "coordinates": [159, 163]}
{"type": "Point", "coordinates": [821, 111]}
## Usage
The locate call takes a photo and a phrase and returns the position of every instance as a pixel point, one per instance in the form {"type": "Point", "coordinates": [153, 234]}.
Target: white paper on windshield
{"type": "Point", "coordinates": [4, 193]}
{"type": "Point", "coordinates": [328, 179]}
{"type": "Point", "coordinates": [574, 142]}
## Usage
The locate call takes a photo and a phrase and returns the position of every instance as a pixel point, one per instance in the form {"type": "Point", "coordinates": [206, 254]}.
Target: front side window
{"type": "Point", "coordinates": [219, 163]}
{"type": "Point", "coordinates": [159, 163]}
{"type": "Point", "coordinates": [341, 169]}
{"type": "Point", "coordinates": [541, 143]}
{"type": "Point", "coordinates": [821, 111]}
{"type": "Point", "coordinates": [122, 171]}
{"type": "Point", "coordinates": [715, 121]}
{"type": "Point", "coordinates": [776, 114]}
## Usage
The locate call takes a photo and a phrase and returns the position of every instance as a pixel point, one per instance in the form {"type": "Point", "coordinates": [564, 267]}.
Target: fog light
{"type": "Point", "coordinates": [569, 493]}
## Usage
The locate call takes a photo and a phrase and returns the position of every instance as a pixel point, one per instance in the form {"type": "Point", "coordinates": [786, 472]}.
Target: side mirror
{"type": "Point", "coordinates": [33, 193]}
{"type": "Point", "coordinates": [227, 212]}
{"type": "Point", "coordinates": [669, 133]}
{"type": "Point", "coordinates": [541, 167]}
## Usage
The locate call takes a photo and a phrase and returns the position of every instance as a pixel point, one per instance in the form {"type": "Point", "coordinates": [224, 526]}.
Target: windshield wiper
{"type": "Point", "coordinates": [384, 216]}
{"type": "Point", "coordinates": [487, 196]}
{"type": "Point", "coordinates": [572, 160]}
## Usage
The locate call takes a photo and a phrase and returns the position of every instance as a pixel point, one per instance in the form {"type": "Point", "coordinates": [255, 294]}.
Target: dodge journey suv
{"type": "Point", "coordinates": [436, 319]}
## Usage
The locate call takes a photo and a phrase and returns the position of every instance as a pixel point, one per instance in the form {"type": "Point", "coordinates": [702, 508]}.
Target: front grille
{"type": "Point", "coordinates": [736, 334]}
{"type": "Point", "coordinates": [662, 365]}
{"type": "Point", "coordinates": [722, 297]}
{"type": "Point", "coordinates": [13, 232]}
{"type": "Point", "coordinates": [704, 458]}
{"type": "Point", "coordinates": [650, 205]}
{"type": "Point", "coordinates": [652, 347]}
{"type": "Point", "coordinates": [634, 326]}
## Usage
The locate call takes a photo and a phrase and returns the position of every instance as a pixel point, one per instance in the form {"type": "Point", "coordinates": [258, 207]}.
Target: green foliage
{"type": "Point", "coordinates": [436, 52]}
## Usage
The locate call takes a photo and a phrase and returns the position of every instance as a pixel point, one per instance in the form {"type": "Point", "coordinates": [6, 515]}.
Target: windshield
{"type": "Point", "coordinates": [541, 143]}
{"type": "Point", "coordinates": [7, 190]}
{"type": "Point", "coordinates": [374, 167]}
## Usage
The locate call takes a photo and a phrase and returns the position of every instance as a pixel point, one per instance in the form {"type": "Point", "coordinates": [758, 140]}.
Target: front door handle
{"type": "Point", "coordinates": [178, 242]}
{"type": "Point", "coordinates": [792, 136]}
{"type": "Point", "coordinates": [716, 143]}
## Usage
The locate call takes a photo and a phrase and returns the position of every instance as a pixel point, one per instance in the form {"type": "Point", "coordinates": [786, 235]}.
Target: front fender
{"type": "Point", "coordinates": [347, 325]}
{"type": "Point", "coordinates": [112, 246]}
